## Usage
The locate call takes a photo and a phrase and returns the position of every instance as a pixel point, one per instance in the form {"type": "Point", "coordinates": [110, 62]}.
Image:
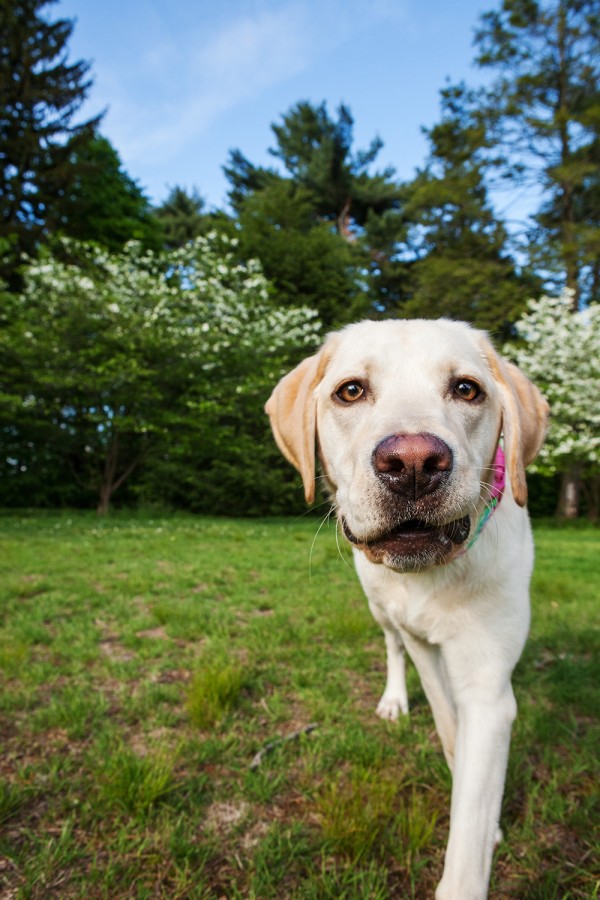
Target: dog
{"type": "Point", "coordinates": [423, 433]}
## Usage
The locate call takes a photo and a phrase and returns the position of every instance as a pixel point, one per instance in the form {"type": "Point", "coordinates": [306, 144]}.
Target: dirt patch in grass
{"type": "Point", "coordinates": [224, 817]}
{"type": "Point", "coordinates": [156, 634]}
{"type": "Point", "coordinates": [114, 650]}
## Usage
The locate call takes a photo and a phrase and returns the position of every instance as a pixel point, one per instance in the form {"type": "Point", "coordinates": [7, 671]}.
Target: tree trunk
{"type": "Point", "coordinates": [110, 480]}
{"type": "Point", "coordinates": [107, 484]}
{"type": "Point", "coordinates": [591, 490]}
{"type": "Point", "coordinates": [104, 500]}
{"type": "Point", "coordinates": [568, 219]}
{"type": "Point", "coordinates": [343, 222]}
{"type": "Point", "coordinates": [570, 492]}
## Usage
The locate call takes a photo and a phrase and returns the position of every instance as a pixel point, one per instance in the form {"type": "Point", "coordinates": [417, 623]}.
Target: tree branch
{"type": "Point", "coordinates": [268, 748]}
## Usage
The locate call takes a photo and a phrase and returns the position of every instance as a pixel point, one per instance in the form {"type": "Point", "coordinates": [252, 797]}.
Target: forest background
{"type": "Point", "coordinates": [138, 343]}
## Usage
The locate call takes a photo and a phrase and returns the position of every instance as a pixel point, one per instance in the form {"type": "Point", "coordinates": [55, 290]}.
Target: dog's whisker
{"type": "Point", "coordinates": [318, 531]}
{"type": "Point", "coordinates": [337, 541]}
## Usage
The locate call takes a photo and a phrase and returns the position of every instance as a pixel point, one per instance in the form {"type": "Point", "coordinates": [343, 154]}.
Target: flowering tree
{"type": "Point", "coordinates": [111, 356]}
{"type": "Point", "coordinates": [560, 351]}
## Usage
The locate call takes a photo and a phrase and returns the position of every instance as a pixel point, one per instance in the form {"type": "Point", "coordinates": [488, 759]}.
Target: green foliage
{"type": "Point", "coordinates": [543, 494]}
{"type": "Point", "coordinates": [40, 95]}
{"type": "Point", "coordinates": [462, 265]}
{"type": "Point", "coordinates": [316, 151]}
{"type": "Point", "coordinates": [114, 361]}
{"type": "Point", "coordinates": [542, 109]}
{"type": "Point", "coordinates": [128, 371]}
{"type": "Point", "coordinates": [308, 226]}
{"type": "Point", "coordinates": [183, 217]}
{"type": "Point", "coordinates": [103, 204]}
{"type": "Point", "coordinates": [304, 258]}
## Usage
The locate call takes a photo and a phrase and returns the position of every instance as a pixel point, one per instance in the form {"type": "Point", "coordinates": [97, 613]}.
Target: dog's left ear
{"type": "Point", "coordinates": [292, 409]}
{"type": "Point", "coordinates": [525, 415]}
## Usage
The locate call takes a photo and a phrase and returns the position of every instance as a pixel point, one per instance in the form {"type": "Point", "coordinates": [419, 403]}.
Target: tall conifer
{"type": "Point", "coordinates": [41, 93]}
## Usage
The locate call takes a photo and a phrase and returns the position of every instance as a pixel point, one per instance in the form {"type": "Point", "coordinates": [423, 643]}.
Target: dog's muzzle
{"type": "Point", "coordinates": [414, 531]}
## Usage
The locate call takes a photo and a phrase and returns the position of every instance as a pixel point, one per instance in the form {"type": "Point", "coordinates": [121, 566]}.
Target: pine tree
{"type": "Point", "coordinates": [245, 178]}
{"type": "Point", "coordinates": [305, 260]}
{"type": "Point", "coordinates": [544, 109]}
{"type": "Point", "coordinates": [183, 216]}
{"type": "Point", "coordinates": [311, 222]}
{"type": "Point", "coordinates": [40, 95]}
{"type": "Point", "coordinates": [316, 151]}
{"type": "Point", "coordinates": [462, 265]}
{"type": "Point", "coordinates": [103, 203]}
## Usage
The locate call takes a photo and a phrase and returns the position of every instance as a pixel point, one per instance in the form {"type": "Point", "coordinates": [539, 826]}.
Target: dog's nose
{"type": "Point", "coordinates": [412, 464]}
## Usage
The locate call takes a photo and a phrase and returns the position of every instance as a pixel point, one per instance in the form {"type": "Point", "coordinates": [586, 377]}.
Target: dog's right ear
{"type": "Point", "coordinates": [524, 419]}
{"type": "Point", "coordinates": [292, 409]}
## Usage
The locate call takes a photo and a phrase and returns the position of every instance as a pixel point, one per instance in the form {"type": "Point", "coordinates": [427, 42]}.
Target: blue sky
{"type": "Point", "coordinates": [185, 81]}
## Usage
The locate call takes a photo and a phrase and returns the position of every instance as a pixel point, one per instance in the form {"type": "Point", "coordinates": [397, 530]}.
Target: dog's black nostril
{"type": "Point", "coordinates": [412, 464]}
{"type": "Point", "coordinates": [438, 462]}
{"type": "Point", "coordinates": [392, 464]}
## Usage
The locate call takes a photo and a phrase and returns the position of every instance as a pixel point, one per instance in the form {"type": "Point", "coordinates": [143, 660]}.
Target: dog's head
{"type": "Point", "coordinates": [406, 417]}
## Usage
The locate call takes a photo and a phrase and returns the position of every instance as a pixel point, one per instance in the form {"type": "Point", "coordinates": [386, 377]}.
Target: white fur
{"type": "Point", "coordinates": [463, 623]}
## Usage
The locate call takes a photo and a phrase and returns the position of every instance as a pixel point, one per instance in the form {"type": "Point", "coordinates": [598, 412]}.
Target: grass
{"type": "Point", "coordinates": [215, 691]}
{"type": "Point", "coordinates": [144, 662]}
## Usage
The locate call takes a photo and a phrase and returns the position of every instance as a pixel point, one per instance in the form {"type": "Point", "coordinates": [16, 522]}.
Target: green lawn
{"type": "Point", "coordinates": [144, 662]}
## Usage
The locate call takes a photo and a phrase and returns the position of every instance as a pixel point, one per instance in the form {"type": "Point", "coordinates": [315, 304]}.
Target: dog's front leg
{"type": "Point", "coordinates": [395, 697]}
{"type": "Point", "coordinates": [434, 680]}
{"type": "Point", "coordinates": [481, 754]}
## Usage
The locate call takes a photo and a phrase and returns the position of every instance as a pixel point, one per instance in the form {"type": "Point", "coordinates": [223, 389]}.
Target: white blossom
{"type": "Point", "coordinates": [560, 351]}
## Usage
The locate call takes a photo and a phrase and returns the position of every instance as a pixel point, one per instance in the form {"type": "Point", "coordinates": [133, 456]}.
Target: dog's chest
{"type": "Point", "coordinates": [423, 606]}
{"type": "Point", "coordinates": [422, 615]}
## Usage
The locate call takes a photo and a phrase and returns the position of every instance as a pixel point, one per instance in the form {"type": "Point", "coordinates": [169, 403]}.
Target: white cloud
{"type": "Point", "coordinates": [180, 84]}
{"type": "Point", "coordinates": [194, 84]}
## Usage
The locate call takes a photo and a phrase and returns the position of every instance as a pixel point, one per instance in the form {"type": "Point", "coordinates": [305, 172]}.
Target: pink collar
{"type": "Point", "coordinates": [496, 491]}
{"type": "Point", "coordinates": [499, 474]}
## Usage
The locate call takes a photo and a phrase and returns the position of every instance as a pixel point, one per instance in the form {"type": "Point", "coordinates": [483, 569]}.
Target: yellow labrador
{"type": "Point", "coordinates": [423, 433]}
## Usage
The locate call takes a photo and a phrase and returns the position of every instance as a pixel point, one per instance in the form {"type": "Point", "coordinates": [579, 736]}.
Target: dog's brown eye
{"type": "Point", "coordinates": [467, 390]}
{"type": "Point", "coordinates": [350, 391]}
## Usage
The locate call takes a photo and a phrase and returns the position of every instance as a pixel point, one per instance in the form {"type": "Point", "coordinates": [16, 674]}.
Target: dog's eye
{"type": "Point", "coordinates": [350, 391]}
{"type": "Point", "coordinates": [467, 389]}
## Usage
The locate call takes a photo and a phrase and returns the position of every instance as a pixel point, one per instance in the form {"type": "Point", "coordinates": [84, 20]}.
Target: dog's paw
{"type": "Point", "coordinates": [498, 837]}
{"type": "Point", "coordinates": [390, 708]}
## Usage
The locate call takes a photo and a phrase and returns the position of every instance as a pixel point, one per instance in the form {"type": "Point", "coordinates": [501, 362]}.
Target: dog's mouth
{"type": "Point", "coordinates": [412, 538]}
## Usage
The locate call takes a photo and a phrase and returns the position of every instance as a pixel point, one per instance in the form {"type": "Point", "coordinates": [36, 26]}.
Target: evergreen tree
{"type": "Point", "coordinates": [311, 223]}
{"type": "Point", "coordinates": [40, 94]}
{"type": "Point", "coordinates": [245, 178]}
{"type": "Point", "coordinates": [462, 266]}
{"type": "Point", "coordinates": [388, 263]}
{"type": "Point", "coordinates": [183, 217]}
{"type": "Point", "coordinates": [102, 203]}
{"type": "Point", "coordinates": [544, 108]}
{"type": "Point", "coordinates": [316, 151]}
{"type": "Point", "coordinates": [304, 258]}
